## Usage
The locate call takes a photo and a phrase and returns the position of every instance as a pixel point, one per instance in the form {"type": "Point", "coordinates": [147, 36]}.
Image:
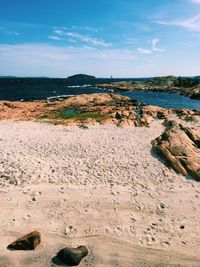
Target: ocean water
{"type": "Point", "coordinates": [165, 100]}
{"type": "Point", "coordinates": [18, 89]}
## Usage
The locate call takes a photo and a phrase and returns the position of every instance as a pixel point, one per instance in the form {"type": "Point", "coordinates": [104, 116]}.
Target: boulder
{"type": "Point", "coordinates": [179, 147]}
{"type": "Point", "coordinates": [72, 256]}
{"type": "Point", "coordinates": [27, 242]}
{"type": "Point", "coordinates": [123, 123]}
{"type": "Point", "coordinates": [146, 119]}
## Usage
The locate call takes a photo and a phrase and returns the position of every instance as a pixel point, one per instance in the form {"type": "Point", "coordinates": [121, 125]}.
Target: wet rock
{"type": "Point", "coordinates": [72, 256]}
{"type": "Point", "coordinates": [27, 242]}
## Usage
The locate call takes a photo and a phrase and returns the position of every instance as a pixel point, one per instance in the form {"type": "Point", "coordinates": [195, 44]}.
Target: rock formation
{"type": "Point", "coordinates": [179, 146]}
{"type": "Point", "coordinates": [170, 84]}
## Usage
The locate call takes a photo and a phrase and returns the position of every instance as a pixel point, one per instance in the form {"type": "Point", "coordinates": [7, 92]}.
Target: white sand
{"type": "Point", "coordinates": [99, 187]}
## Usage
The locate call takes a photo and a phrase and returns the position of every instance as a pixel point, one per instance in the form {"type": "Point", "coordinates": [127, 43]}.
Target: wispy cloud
{"type": "Point", "coordinates": [88, 39]}
{"type": "Point", "coordinates": [154, 43]}
{"type": "Point", "coordinates": [86, 28]}
{"type": "Point", "coordinates": [82, 38]}
{"type": "Point", "coordinates": [61, 61]}
{"type": "Point", "coordinates": [191, 24]}
{"type": "Point", "coordinates": [77, 28]}
{"type": "Point", "coordinates": [153, 48]}
{"type": "Point", "coordinates": [56, 38]}
{"type": "Point", "coordinates": [144, 50]}
{"type": "Point", "coordinates": [8, 32]}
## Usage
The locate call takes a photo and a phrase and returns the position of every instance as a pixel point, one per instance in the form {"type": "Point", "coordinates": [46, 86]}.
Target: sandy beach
{"type": "Point", "coordinates": [100, 187]}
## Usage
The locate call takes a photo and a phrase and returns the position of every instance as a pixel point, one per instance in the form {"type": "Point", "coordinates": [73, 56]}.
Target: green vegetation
{"type": "Point", "coordinates": [45, 116]}
{"type": "Point", "coordinates": [188, 118]}
{"type": "Point", "coordinates": [79, 117]}
{"type": "Point", "coordinates": [183, 82]}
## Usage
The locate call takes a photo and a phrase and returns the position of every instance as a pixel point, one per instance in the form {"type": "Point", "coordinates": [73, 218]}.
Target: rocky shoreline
{"type": "Point", "coordinates": [185, 86]}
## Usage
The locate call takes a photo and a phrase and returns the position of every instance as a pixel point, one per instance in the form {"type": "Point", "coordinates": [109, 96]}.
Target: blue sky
{"type": "Point", "coordinates": [123, 38]}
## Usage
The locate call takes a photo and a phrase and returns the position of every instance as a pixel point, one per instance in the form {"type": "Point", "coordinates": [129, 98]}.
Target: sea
{"type": "Point", "coordinates": [30, 89]}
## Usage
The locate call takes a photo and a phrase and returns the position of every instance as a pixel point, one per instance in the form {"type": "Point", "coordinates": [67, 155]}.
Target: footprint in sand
{"type": "Point", "coordinates": [119, 231]}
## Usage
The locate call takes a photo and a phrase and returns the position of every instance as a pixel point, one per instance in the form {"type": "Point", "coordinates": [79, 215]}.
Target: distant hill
{"type": "Point", "coordinates": [176, 81]}
{"type": "Point", "coordinates": [80, 79]}
{"type": "Point", "coordinates": [8, 76]}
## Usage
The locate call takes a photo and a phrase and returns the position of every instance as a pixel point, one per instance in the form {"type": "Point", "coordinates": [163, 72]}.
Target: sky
{"type": "Point", "coordinates": [122, 38]}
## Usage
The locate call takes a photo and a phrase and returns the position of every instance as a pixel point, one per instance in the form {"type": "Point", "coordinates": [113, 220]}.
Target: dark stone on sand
{"type": "Point", "coordinates": [72, 256]}
{"type": "Point", "coordinates": [27, 242]}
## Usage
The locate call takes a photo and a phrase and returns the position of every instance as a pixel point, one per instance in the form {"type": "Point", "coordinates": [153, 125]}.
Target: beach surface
{"type": "Point", "coordinates": [101, 187]}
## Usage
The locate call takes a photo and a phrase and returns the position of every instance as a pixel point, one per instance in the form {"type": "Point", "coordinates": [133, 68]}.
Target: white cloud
{"type": "Point", "coordinates": [154, 47]}
{"type": "Point", "coordinates": [83, 28]}
{"type": "Point", "coordinates": [88, 39]}
{"type": "Point", "coordinates": [82, 38]}
{"type": "Point", "coordinates": [59, 32]}
{"type": "Point", "coordinates": [191, 24]}
{"type": "Point", "coordinates": [144, 50]}
{"type": "Point", "coordinates": [86, 28]}
{"type": "Point", "coordinates": [56, 38]}
{"type": "Point", "coordinates": [72, 40]}
{"type": "Point", "coordinates": [154, 43]}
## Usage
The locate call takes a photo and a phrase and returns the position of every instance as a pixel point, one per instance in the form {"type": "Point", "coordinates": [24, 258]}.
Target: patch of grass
{"type": "Point", "coordinates": [79, 117]}
{"type": "Point", "coordinates": [45, 116]}
{"type": "Point", "coordinates": [187, 118]}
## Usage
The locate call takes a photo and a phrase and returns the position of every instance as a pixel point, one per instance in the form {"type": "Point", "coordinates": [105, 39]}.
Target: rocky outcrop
{"type": "Point", "coordinates": [91, 109]}
{"type": "Point", "coordinates": [170, 84]}
{"type": "Point", "coordinates": [72, 256]}
{"type": "Point", "coordinates": [27, 242]}
{"type": "Point", "coordinates": [95, 108]}
{"type": "Point", "coordinates": [179, 146]}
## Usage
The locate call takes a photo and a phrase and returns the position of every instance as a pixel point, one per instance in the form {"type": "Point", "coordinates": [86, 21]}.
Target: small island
{"type": "Point", "coordinates": [81, 79]}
